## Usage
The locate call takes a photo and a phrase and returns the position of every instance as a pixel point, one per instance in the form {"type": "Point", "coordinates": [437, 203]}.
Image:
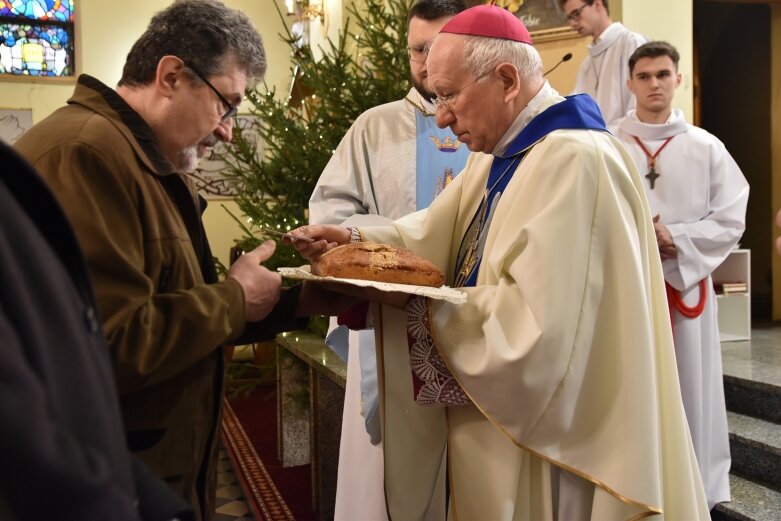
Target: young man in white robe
{"type": "Point", "coordinates": [555, 384]}
{"type": "Point", "coordinates": [698, 197]}
{"type": "Point", "coordinates": [393, 161]}
{"type": "Point", "coordinates": [602, 75]}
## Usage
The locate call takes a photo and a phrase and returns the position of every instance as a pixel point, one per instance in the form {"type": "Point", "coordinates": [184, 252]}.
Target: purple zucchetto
{"type": "Point", "coordinates": [490, 21]}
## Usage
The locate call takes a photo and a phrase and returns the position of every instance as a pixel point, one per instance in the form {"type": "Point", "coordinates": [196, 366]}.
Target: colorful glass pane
{"type": "Point", "coordinates": [35, 50]}
{"type": "Point", "coordinates": [46, 10]}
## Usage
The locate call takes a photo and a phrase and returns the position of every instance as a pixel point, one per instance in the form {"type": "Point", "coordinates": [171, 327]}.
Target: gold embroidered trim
{"type": "Point", "coordinates": [420, 108]}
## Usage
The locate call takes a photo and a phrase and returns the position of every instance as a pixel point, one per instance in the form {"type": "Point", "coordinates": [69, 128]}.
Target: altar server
{"type": "Point", "coordinates": [603, 75]}
{"type": "Point", "coordinates": [698, 197]}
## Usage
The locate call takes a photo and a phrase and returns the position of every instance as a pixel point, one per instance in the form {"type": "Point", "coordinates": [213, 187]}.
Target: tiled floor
{"type": "Point", "coordinates": [231, 504]}
{"type": "Point", "coordinates": [230, 499]}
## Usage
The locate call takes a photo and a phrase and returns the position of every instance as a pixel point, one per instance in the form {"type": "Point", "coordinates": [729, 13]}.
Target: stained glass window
{"type": "Point", "coordinates": [36, 37]}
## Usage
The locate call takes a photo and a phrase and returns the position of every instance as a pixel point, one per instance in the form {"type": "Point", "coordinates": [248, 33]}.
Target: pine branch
{"type": "Point", "coordinates": [360, 70]}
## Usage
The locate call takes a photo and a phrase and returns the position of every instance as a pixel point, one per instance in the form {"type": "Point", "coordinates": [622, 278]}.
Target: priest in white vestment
{"type": "Point", "coordinates": [555, 383]}
{"type": "Point", "coordinates": [698, 196]}
{"type": "Point", "coordinates": [603, 73]}
{"type": "Point", "coordinates": [371, 179]}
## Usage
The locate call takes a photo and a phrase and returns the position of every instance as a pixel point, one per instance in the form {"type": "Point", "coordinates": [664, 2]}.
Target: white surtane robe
{"type": "Point", "coordinates": [563, 347]}
{"type": "Point", "coordinates": [604, 72]}
{"type": "Point", "coordinates": [371, 179]}
{"type": "Point", "coordinates": [701, 196]}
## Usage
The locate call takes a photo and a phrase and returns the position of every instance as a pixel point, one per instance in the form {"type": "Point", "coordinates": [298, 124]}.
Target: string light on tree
{"type": "Point", "coordinates": [274, 163]}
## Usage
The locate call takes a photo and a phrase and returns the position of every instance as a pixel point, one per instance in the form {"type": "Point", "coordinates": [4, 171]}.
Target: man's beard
{"type": "Point", "coordinates": [187, 160]}
{"type": "Point", "coordinates": [419, 86]}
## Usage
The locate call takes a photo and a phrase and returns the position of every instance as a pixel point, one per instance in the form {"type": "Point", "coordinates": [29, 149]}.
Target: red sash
{"type": "Point", "coordinates": [675, 302]}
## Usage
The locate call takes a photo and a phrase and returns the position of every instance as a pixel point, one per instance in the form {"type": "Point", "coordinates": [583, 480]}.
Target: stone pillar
{"type": "Point", "coordinates": [327, 400]}
{"type": "Point", "coordinates": [293, 416]}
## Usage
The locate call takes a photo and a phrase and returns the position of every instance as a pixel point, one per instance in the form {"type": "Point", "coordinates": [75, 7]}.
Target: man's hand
{"type": "Point", "coordinates": [664, 240]}
{"type": "Point", "coordinates": [326, 237]}
{"type": "Point", "coordinates": [333, 298]}
{"type": "Point", "coordinates": [388, 298]}
{"type": "Point", "coordinates": [261, 286]}
{"type": "Point", "coordinates": [317, 299]}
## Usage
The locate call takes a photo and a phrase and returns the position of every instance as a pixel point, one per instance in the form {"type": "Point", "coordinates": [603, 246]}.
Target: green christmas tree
{"type": "Point", "coordinates": [368, 66]}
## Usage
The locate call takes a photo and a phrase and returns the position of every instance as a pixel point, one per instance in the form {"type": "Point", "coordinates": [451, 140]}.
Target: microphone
{"type": "Point", "coordinates": [566, 57]}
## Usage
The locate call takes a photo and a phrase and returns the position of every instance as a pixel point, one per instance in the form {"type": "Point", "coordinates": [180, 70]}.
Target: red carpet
{"type": "Point", "coordinates": [250, 434]}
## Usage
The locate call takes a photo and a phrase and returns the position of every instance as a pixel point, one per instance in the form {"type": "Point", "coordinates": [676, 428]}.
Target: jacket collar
{"type": "Point", "coordinates": [94, 95]}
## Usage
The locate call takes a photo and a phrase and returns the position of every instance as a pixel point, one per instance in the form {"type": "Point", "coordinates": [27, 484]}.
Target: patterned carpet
{"type": "Point", "coordinates": [245, 489]}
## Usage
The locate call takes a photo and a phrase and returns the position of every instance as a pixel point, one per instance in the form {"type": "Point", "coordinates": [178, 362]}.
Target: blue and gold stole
{"type": "Point", "coordinates": [575, 112]}
{"type": "Point", "coordinates": [439, 158]}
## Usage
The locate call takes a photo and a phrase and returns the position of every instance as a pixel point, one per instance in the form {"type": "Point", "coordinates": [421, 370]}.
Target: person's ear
{"type": "Point", "coordinates": [170, 70]}
{"type": "Point", "coordinates": [630, 85]}
{"type": "Point", "coordinates": [677, 80]}
{"type": "Point", "coordinates": [511, 80]}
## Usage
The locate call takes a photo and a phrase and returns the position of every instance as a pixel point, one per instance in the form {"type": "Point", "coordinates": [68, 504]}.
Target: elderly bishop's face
{"type": "Point", "coordinates": [472, 107]}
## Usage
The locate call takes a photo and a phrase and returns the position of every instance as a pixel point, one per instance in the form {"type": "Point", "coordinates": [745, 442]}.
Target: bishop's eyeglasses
{"type": "Point", "coordinates": [444, 102]}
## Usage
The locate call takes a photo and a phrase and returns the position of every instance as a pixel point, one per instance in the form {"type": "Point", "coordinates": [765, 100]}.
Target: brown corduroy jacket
{"type": "Point", "coordinates": [164, 312]}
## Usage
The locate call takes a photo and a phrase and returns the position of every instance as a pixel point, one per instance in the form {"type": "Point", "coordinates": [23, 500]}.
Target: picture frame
{"type": "Point", "coordinates": [545, 20]}
{"type": "Point", "coordinates": [14, 122]}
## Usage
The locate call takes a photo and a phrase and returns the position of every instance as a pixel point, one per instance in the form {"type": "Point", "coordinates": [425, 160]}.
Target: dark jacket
{"type": "Point", "coordinates": [62, 444]}
{"type": "Point", "coordinates": [165, 314]}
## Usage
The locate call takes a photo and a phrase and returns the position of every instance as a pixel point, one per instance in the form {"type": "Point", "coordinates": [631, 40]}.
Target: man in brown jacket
{"type": "Point", "coordinates": [113, 159]}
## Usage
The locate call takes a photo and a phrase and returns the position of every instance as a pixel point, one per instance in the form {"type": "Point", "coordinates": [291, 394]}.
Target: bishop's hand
{"type": "Point", "coordinates": [325, 237]}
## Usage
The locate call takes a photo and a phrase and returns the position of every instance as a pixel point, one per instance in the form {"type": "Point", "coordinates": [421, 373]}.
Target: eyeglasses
{"type": "Point", "coordinates": [574, 16]}
{"type": "Point", "coordinates": [444, 102]}
{"type": "Point", "coordinates": [232, 109]}
{"type": "Point", "coordinates": [418, 53]}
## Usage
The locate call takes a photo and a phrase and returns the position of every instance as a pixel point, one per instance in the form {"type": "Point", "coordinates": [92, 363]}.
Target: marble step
{"type": "Point", "coordinates": [756, 448]}
{"type": "Point", "coordinates": [752, 374]}
{"type": "Point", "coordinates": [753, 398]}
{"type": "Point", "coordinates": [750, 502]}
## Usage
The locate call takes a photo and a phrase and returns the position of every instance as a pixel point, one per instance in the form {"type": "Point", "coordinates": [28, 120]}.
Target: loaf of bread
{"type": "Point", "coordinates": [378, 262]}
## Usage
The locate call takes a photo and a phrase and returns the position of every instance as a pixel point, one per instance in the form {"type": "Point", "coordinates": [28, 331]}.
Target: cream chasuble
{"type": "Point", "coordinates": [701, 196]}
{"type": "Point", "coordinates": [564, 348]}
{"type": "Point", "coordinates": [604, 72]}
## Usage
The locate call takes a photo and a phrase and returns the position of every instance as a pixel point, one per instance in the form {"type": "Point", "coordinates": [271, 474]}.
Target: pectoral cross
{"type": "Point", "coordinates": [652, 176]}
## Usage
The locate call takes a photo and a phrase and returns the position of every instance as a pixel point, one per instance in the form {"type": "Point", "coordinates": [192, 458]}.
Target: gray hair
{"type": "Point", "coordinates": [203, 34]}
{"type": "Point", "coordinates": [483, 54]}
